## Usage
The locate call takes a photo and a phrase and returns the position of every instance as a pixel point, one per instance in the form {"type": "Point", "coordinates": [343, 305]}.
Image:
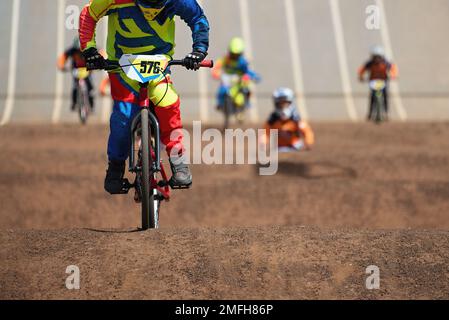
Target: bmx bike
{"type": "Point", "coordinates": [83, 103]}
{"type": "Point", "coordinates": [379, 112]}
{"type": "Point", "coordinates": [236, 99]}
{"type": "Point", "coordinates": [151, 182]}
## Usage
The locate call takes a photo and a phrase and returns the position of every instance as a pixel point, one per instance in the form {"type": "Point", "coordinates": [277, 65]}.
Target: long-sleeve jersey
{"type": "Point", "coordinates": [230, 66]}
{"type": "Point", "coordinates": [73, 53]}
{"type": "Point", "coordinates": [379, 70]}
{"type": "Point", "coordinates": [290, 131]}
{"type": "Point", "coordinates": [129, 32]}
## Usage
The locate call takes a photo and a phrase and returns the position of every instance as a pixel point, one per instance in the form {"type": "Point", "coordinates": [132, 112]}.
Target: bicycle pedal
{"type": "Point", "coordinates": [126, 186]}
{"type": "Point", "coordinates": [175, 187]}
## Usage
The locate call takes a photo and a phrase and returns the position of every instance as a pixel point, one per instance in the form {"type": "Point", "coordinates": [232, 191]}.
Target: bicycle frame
{"type": "Point", "coordinates": [144, 102]}
{"type": "Point", "coordinates": [149, 190]}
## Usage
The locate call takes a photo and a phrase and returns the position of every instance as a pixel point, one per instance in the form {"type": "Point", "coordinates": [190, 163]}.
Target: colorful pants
{"type": "Point", "coordinates": [239, 92]}
{"type": "Point", "coordinates": [166, 104]}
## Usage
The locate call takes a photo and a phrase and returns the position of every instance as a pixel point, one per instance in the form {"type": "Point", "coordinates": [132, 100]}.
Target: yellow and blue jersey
{"type": "Point", "coordinates": [238, 66]}
{"type": "Point", "coordinates": [129, 32]}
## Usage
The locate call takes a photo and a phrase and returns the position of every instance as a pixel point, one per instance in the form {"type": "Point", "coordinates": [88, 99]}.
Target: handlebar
{"type": "Point", "coordinates": [112, 65]}
{"type": "Point", "coordinates": [203, 64]}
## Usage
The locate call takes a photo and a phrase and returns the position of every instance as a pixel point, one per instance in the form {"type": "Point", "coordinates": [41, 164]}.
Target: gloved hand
{"type": "Point", "coordinates": [193, 60]}
{"type": "Point", "coordinates": [94, 60]}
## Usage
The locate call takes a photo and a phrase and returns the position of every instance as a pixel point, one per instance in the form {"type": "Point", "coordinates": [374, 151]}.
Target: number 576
{"type": "Point", "coordinates": [150, 67]}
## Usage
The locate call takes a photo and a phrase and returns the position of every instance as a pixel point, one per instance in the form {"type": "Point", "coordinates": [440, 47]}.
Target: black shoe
{"type": "Point", "coordinates": [182, 177]}
{"type": "Point", "coordinates": [114, 182]}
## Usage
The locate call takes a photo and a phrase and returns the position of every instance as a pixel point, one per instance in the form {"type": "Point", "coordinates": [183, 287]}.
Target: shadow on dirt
{"type": "Point", "coordinates": [310, 171]}
{"type": "Point", "coordinates": [114, 231]}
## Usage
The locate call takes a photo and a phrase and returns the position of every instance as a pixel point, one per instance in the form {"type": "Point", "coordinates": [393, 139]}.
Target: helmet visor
{"type": "Point", "coordinates": [282, 103]}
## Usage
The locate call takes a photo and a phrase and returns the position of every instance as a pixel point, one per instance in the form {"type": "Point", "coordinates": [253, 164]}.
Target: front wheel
{"type": "Point", "coordinates": [227, 110]}
{"type": "Point", "coordinates": [149, 210]}
{"type": "Point", "coordinates": [82, 110]}
{"type": "Point", "coordinates": [379, 108]}
{"type": "Point", "coordinates": [83, 103]}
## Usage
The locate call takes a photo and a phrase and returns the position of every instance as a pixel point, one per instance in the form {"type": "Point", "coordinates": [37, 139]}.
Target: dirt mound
{"type": "Point", "coordinates": [230, 263]}
{"type": "Point", "coordinates": [217, 239]}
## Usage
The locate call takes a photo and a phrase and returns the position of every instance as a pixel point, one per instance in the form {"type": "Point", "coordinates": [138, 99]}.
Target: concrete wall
{"type": "Point", "coordinates": [417, 32]}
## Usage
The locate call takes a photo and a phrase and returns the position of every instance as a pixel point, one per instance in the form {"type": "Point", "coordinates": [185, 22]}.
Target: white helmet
{"type": "Point", "coordinates": [377, 51]}
{"type": "Point", "coordinates": [283, 94]}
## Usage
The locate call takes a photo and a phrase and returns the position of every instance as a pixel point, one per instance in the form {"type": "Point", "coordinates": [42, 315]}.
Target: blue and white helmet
{"type": "Point", "coordinates": [377, 51]}
{"type": "Point", "coordinates": [284, 95]}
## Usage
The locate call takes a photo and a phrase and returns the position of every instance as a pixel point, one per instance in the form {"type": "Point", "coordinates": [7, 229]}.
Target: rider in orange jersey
{"type": "Point", "coordinates": [294, 134]}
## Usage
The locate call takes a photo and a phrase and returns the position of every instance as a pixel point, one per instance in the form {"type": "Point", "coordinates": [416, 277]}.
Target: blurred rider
{"type": "Point", "coordinates": [294, 134]}
{"type": "Point", "coordinates": [234, 63]}
{"type": "Point", "coordinates": [378, 68]}
{"type": "Point", "coordinates": [77, 61]}
{"type": "Point", "coordinates": [144, 27]}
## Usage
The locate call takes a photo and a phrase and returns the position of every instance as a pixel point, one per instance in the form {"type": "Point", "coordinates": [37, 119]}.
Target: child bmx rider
{"type": "Point", "coordinates": [143, 27]}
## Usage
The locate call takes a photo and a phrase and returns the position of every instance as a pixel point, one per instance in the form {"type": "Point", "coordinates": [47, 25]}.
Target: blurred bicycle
{"type": "Point", "coordinates": [236, 97]}
{"type": "Point", "coordinates": [83, 100]}
{"type": "Point", "coordinates": [378, 111]}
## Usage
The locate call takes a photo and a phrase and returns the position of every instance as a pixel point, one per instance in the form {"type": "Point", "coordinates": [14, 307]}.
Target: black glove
{"type": "Point", "coordinates": [192, 60]}
{"type": "Point", "coordinates": [94, 60]}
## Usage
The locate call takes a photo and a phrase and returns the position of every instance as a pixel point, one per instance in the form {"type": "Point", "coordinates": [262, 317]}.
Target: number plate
{"type": "Point", "coordinates": [144, 68]}
{"type": "Point", "coordinates": [80, 73]}
{"type": "Point", "coordinates": [377, 85]}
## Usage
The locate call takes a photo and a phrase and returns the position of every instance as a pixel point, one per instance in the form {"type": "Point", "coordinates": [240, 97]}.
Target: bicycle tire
{"type": "Point", "coordinates": [227, 112]}
{"type": "Point", "coordinates": [378, 109]}
{"type": "Point", "coordinates": [147, 196]}
{"type": "Point", "coordinates": [83, 104]}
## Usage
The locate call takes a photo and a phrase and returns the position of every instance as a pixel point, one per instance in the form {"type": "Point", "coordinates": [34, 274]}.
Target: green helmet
{"type": "Point", "coordinates": [237, 46]}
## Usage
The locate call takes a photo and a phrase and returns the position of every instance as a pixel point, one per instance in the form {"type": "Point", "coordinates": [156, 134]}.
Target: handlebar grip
{"type": "Point", "coordinates": [207, 64]}
{"type": "Point", "coordinates": [111, 65]}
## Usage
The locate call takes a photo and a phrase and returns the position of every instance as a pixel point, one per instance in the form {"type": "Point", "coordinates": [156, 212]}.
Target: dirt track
{"type": "Point", "coordinates": [236, 263]}
{"type": "Point", "coordinates": [358, 177]}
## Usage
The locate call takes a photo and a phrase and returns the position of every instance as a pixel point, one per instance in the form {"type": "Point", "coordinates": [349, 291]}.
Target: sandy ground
{"type": "Point", "coordinates": [230, 263]}
{"type": "Point", "coordinates": [366, 195]}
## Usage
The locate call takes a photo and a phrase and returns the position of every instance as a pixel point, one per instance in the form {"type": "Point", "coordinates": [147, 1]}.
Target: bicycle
{"type": "Point", "coordinates": [378, 113]}
{"type": "Point", "coordinates": [83, 101]}
{"type": "Point", "coordinates": [236, 99]}
{"type": "Point", "coordinates": [151, 182]}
